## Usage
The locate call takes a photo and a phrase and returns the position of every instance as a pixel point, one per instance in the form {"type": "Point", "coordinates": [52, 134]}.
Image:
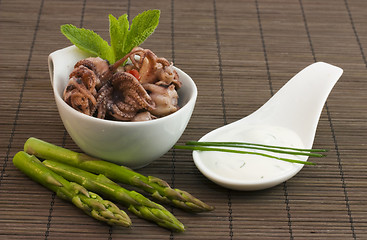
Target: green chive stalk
{"type": "Point", "coordinates": [233, 147]}
{"type": "Point", "coordinates": [263, 147]}
{"type": "Point", "coordinates": [211, 149]}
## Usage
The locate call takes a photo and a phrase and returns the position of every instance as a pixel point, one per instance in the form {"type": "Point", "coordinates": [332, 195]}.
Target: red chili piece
{"type": "Point", "coordinates": [135, 73]}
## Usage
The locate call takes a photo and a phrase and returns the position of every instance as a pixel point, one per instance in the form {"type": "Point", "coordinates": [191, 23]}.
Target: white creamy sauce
{"type": "Point", "coordinates": [249, 166]}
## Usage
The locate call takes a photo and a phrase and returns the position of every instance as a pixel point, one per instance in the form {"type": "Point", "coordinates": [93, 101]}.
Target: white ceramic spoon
{"type": "Point", "coordinates": [289, 118]}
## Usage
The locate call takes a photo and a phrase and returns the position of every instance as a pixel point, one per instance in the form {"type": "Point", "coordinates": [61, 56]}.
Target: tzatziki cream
{"type": "Point", "coordinates": [249, 167]}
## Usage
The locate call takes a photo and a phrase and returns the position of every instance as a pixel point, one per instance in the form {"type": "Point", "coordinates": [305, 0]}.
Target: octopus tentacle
{"type": "Point", "coordinates": [137, 62]}
{"type": "Point", "coordinates": [80, 92]}
{"type": "Point", "coordinates": [78, 96]}
{"type": "Point", "coordinates": [148, 68]}
{"type": "Point", "coordinates": [163, 61]}
{"type": "Point", "coordinates": [136, 50]}
{"type": "Point", "coordinates": [158, 70]}
{"type": "Point", "coordinates": [167, 75]}
{"type": "Point", "coordinates": [102, 109]}
{"type": "Point", "coordinates": [121, 110]}
{"type": "Point", "coordinates": [131, 88]}
{"type": "Point", "coordinates": [125, 106]}
{"type": "Point", "coordinates": [98, 66]}
{"type": "Point", "coordinates": [103, 94]}
{"type": "Point", "coordinates": [86, 75]}
{"type": "Point", "coordinates": [77, 84]}
{"type": "Point", "coordinates": [80, 103]}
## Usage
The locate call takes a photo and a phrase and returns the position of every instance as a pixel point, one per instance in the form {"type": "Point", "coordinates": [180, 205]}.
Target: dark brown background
{"type": "Point", "coordinates": [239, 53]}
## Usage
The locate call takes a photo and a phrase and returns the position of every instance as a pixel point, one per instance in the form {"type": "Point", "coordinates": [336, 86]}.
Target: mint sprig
{"type": "Point", "coordinates": [123, 36]}
{"type": "Point", "coordinates": [142, 26]}
{"type": "Point", "coordinates": [119, 29]}
{"type": "Point", "coordinates": [88, 41]}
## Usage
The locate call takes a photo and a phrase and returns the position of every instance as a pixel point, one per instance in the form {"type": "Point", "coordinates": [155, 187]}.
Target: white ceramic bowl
{"type": "Point", "coordinates": [132, 144]}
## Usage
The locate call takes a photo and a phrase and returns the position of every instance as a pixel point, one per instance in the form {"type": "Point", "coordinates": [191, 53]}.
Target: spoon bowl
{"type": "Point", "coordinates": [289, 118]}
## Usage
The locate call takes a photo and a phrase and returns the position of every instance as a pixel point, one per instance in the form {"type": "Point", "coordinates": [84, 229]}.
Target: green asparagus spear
{"type": "Point", "coordinates": [158, 188]}
{"type": "Point", "coordinates": [89, 202]}
{"type": "Point", "coordinates": [136, 203]}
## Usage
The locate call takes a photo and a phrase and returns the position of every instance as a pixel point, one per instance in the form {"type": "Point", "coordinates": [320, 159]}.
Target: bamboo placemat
{"type": "Point", "coordinates": [239, 53]}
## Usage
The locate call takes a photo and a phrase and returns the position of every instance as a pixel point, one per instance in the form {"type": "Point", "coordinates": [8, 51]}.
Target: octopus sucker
{"type": "Point", "coordinates": [141, 90]}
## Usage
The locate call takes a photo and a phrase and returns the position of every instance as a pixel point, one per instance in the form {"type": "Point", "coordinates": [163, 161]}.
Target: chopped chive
{"type": "Point", "coordinates": [244, 163]}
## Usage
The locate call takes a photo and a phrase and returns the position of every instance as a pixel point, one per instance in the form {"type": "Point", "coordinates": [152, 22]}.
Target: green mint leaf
{"type": "Point", "coordinates": [88, 41]}
{"type": "Point", "coordinates": [118, 31]}
{"type": "Point", "coordinates": [142, 26]}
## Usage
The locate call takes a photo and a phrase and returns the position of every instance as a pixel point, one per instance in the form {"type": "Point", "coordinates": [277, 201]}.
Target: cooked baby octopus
{"type": "Point", "coordinates": [141, 90]}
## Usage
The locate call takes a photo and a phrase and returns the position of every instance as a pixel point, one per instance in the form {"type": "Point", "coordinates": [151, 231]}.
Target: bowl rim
{"type": "Point", "coordinates": [191, 98]}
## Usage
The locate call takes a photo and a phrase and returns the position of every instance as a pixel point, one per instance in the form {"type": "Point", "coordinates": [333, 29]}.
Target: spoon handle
{"type": "Point", "coordinates": [299, 103]}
